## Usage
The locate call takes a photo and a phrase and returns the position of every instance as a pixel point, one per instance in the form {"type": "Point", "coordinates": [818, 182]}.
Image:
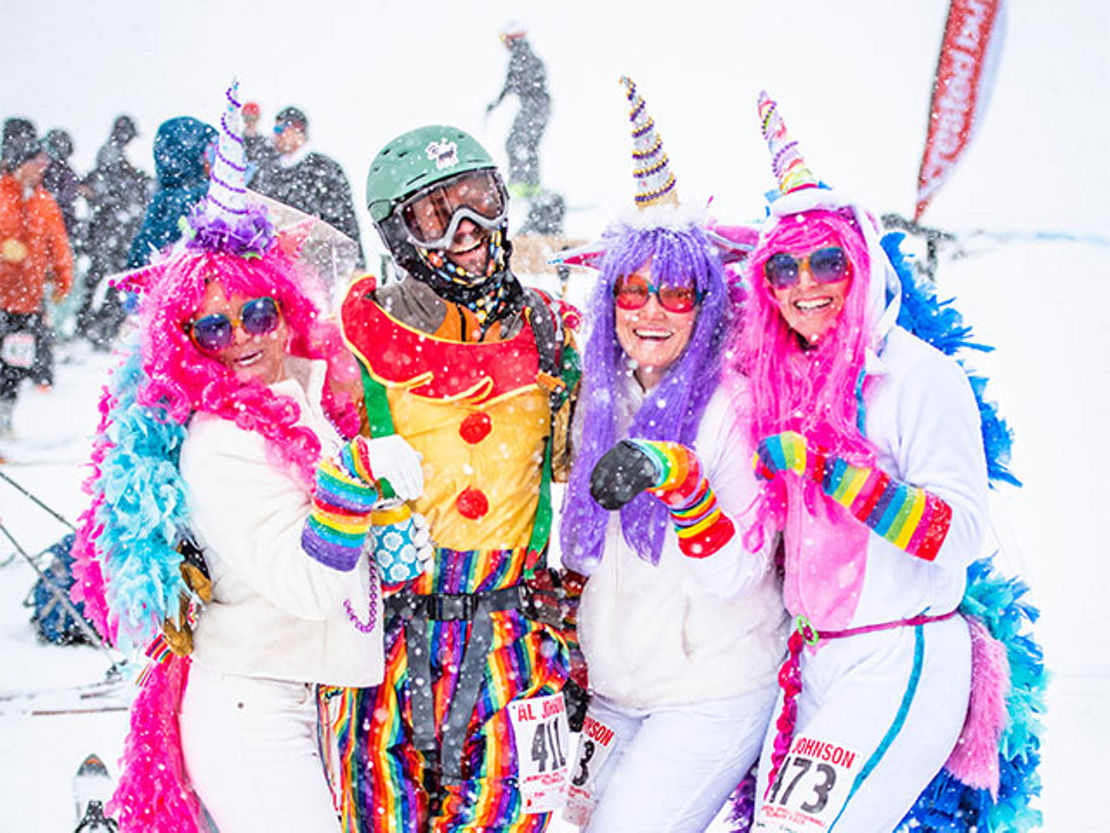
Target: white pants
{"type": "Point", "coordinates": [671, 769]}
{"type": "Point", "coordinates": [860, 694]}
{"type": "Point", "coordinates": [251, 753]}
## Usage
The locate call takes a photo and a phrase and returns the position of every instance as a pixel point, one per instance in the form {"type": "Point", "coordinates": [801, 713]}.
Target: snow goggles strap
{"type": "Point", "coordinates": [828, 265]}
{"type": "Point", "coordinates": [432, 215]}
{"type": "Point", "coordinates": [215, 332]}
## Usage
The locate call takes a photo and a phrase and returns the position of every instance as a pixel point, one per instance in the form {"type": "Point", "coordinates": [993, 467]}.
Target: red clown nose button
{"type": "Point", "coordinates": [472, 503]}
{"type": "Point", "coordinates": [475, 427]}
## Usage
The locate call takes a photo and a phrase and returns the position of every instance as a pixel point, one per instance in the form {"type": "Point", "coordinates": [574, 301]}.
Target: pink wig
{"type": "Point", "coordinates": [816, 390]}
{"type": "Point", "coordinates": [182, 379]}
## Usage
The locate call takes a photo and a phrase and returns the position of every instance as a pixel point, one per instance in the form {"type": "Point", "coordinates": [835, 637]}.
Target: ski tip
{"type": "Point", "coordinates": [92, 765]}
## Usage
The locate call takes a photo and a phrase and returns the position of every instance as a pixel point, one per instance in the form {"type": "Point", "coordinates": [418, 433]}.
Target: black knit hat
{"type": "Point", "coordinates": [58, 144]}
{"type": "Point", "coordinates": [293, 116]}
{"type": "Point", "coordinates": [123, 130]}
{"type": "Point", "coordinates": [19, 144]}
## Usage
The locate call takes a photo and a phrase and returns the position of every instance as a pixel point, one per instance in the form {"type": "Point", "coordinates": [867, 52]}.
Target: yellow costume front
{"type": "Point", "coordinates": [438, 752]}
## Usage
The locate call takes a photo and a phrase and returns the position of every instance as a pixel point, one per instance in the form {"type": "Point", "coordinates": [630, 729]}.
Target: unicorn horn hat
{"type": "Point", "coordinates": [224, 221]}
{"type": "Point", "coordinates": [655, 183]}
{"type": "Point", "coordinates": [786, 160]}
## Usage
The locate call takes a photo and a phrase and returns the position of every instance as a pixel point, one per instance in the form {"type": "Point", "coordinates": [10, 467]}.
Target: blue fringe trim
{"type": "Point", "coordinates": [947, 804]}
{"type": "Point", "coordinates": [145, 505]}
{"type": "Point", "coordinates": [939, 323]}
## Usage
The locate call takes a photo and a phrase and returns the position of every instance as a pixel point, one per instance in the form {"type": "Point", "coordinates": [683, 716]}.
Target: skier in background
{"type": "Point", "coordinates": [34, 250]}
{"type": "Point", "coordinates": [181, 171]}
{"type": "Point", "coordinates": [117, 193]}
{"type": "Point", "coordinates": [306, 180]}
{"type": "Point", "coordinates": [526, 78]}
{"type": "Point", "coordinates": [62, 181]}
{"type": "Point", "coordinates": [261, 152]}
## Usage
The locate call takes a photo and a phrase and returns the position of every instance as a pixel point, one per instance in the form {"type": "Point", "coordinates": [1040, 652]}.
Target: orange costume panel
{"type": "Point", "coordinates": [33, 246]}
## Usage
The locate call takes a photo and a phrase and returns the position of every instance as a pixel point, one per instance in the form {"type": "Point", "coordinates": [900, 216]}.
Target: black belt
{"type": "Point", "coordinates": [416, 610]}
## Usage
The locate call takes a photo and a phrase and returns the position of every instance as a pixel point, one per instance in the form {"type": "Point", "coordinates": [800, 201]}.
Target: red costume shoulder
{"type": "Point", "coordinates": [434, 367]}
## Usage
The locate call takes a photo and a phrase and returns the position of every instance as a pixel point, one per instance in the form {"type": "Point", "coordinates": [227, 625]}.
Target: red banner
{"type": "Point", "coordinates": [961, 89]}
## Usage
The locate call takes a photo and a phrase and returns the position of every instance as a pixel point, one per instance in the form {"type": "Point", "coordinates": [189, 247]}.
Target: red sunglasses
{"type": "Point", "coordinates": [632, 292]}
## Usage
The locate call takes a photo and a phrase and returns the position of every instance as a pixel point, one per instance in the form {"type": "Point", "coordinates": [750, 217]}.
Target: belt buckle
{"type": "Point", "coordinates": [451, 607]}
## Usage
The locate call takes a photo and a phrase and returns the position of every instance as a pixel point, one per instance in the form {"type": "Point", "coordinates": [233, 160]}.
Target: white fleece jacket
{"type": "Point", "coordinates": [275, 612]}
{"type": "Point", "coordinates": [688, 629]}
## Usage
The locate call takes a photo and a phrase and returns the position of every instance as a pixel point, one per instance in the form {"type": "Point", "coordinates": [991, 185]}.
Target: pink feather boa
{"type": "Point", "coordinates": [154, 795]}
{"type": "Point", "coordinates": [88, 578]}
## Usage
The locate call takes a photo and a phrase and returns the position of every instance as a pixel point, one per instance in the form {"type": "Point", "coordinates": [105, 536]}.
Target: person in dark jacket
{"type": "Point", "coordinates": [181, 174]}
{"type": "Point", "coordinates": [117, 193]}
{"type": "Point", "coordinates": [34, 252]}
{"type": "Point", "coordinates": [306, 180]}
{"type": "Point", "coordinates": [261, 153]}
{"type": "Point", "coordinates": [526, 78]}
{"type": "Point", "coordinates": [61, 180]}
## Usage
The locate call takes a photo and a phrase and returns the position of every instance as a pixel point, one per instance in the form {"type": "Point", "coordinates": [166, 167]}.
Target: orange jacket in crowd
{"type": "Point", "coordinates": [33, 247]}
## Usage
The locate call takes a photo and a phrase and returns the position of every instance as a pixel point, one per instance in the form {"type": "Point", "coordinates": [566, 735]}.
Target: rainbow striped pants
{"type": "Point", "coordinates": [387, 778]}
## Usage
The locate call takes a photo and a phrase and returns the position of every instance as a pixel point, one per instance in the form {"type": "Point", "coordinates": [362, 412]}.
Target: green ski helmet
{"type": "Point", "coordinates": [415, 160]}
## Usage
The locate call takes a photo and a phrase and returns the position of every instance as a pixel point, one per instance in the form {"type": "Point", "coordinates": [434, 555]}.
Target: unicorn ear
{"type": "Point", "coordinates": [588, 256]}
{"type": "Point", "coordinates": [136, 280]}
{"type": "Point", "coordinates": [291, 239]}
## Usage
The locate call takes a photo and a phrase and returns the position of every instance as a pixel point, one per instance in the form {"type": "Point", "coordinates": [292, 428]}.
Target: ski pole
{"type": "Point", "coordinates": [55, 515]}
{"type": "Point", "coordinates": [63, 599]}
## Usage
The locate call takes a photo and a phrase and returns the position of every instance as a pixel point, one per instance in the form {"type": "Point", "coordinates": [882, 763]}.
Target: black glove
{"type": "Point", "coordinates": [621, 474]}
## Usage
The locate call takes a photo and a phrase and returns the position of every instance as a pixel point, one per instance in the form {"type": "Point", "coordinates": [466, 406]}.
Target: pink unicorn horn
{"type": "Point", "coordinates": [786, 160]}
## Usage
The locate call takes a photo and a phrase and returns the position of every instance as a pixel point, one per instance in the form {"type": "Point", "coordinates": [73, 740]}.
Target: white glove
{"type": "Point", "coordinates": [393, 459]}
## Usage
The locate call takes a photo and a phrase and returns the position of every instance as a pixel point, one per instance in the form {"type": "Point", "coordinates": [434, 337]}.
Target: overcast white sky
{"type": "Point", "coordinates": [852, 76]}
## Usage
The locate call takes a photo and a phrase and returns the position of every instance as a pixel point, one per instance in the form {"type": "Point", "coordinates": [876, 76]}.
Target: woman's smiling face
{"type": "Point", "coordinates": [810, 307]}
{"type": "Point", "coordinates": [652, 336]}
{"type": "Point", "coordinates": [258, 358]}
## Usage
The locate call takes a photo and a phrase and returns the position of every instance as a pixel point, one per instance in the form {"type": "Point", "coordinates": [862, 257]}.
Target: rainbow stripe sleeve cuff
{"type": "Point", "coordinates": [337, 525]}
{"type": "Point", "coordinates": [908, 516]}
{"type": "Point", "coordinates": [701, 525]}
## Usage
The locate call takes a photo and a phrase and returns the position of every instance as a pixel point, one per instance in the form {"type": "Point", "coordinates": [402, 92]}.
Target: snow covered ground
{"type": "Point", "coordinates": [853, 80]}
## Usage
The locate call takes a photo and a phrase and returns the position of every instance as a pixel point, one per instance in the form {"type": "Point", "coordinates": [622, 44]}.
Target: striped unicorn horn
{"type": "Point", "coordinates": [655, 184]}
{"type": "Point", "coordinates": [224, 220]}
{"type": "Point", "coordinates": [786, 160]}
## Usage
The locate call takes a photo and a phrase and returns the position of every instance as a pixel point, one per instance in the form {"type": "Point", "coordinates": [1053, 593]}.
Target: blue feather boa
{"type": "Point", "coordinates": [947, 804]}
{"type": "Point", "coordinates": [145, 506]}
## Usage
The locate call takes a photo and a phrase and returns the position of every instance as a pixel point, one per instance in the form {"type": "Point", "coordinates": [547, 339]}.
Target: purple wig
{"type": "Point", "coordinates": [671, 411]}
{"type": "Point", "coordinates": [182, 379]}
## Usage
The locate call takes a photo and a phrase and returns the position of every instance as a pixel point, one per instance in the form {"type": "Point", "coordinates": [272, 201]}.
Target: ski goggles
{"type": "Point", "coordinates": [632, 292]}
{"type": "Point", "coordinates": [432, 215]}
{"type": "Point", "coordinates": [828, 265]}
{"type": "Point", "coordinates": [216, 332]}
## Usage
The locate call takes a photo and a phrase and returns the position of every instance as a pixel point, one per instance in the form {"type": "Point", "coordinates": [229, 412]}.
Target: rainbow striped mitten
{"type": "Point", "coordinates": [909, 517]}
{"type": "Point", "coordinates": [339, 522]}
{"type": "Point", "coordinates": [672, 473]}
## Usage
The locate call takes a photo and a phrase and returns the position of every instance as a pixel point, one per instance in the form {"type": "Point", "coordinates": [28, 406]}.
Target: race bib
{"type": "Point", "coordinates": [594, 745]}
{"type": "Point", "coordinates": [542, 739]}
{"type": "Point", "coordinates": [18, 349]}
{"type": "Point", "coordinates": [811, 787]}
